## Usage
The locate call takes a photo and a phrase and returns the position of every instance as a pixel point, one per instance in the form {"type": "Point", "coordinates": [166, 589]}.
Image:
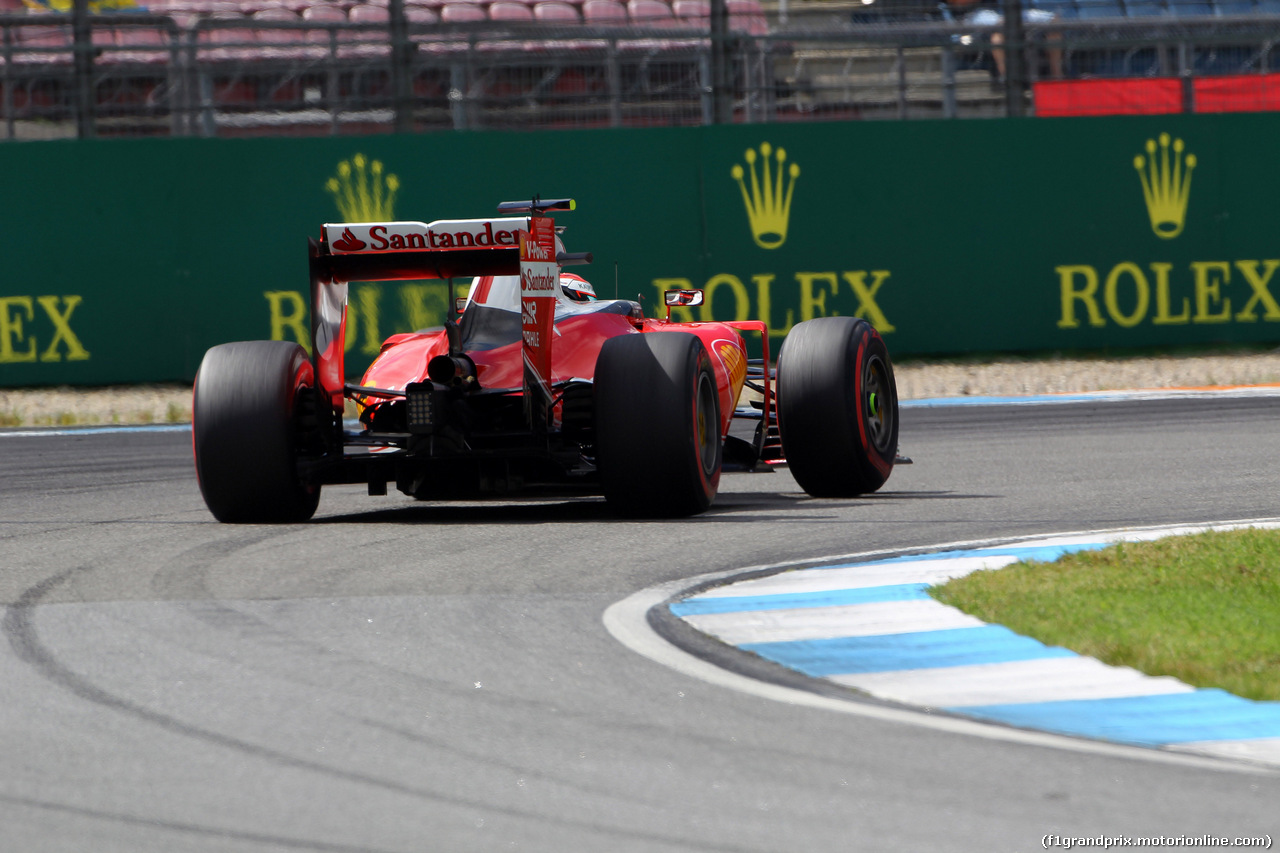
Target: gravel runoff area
{"type": "Point", "coordinates": [145, 404]}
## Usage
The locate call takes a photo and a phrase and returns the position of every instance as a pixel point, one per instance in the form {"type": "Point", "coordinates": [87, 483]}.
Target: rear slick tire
{"type": "Point", "coordinates": [837, 407]}
{"type": "Point", "coordinates": [658, 443]}
{"type": "Point", "coordinates": [245, 432]}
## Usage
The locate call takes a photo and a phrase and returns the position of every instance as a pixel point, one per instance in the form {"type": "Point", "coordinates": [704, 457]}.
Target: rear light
{"type": "Point", "coordinates": [420, 398]}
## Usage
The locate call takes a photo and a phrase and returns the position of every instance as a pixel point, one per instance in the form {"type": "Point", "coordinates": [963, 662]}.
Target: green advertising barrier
{"type": "Point", "coordinates": [126, 260]}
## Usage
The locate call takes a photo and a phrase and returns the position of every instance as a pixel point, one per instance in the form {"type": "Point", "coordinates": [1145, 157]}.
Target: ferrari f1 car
{"type": "Point", "coordinates": [534, 387]}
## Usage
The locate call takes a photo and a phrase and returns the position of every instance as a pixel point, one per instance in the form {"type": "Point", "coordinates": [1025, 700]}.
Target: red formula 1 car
{"type": "Point", "coordinates": [536, 388]}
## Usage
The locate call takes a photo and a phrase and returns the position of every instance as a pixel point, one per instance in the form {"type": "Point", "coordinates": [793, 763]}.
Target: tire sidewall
{"type": "Point", "coordinates": [650, 460]}
{"type": "Point", "coordinates": [244, 431]}
{"type": "Point", "coordinates": [822, 415]}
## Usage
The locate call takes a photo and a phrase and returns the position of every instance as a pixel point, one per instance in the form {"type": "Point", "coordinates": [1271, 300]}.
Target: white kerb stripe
{"type": "Point", "coordinates": [861, 577]}
{"type": "Point", "coordinates": [1041, 680]}
{"type": "Point", "coordinates": [825, 623]}
{"type": "Point", "coordinates": [1265, 749]}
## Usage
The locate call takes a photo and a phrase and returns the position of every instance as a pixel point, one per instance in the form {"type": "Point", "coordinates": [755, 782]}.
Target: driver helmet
{"type": "Point", "coordinates": [577, 288]}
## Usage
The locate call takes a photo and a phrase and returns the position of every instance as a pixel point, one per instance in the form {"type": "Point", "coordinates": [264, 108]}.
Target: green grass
{"type": "Point", "coordinates": [1202, 608]}
{"type": "Point", "coordinates": [62, 419]}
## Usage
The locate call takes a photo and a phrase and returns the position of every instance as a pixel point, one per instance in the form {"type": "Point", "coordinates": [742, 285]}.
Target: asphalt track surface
{"type": "Point", "coordinates": [409, 677]}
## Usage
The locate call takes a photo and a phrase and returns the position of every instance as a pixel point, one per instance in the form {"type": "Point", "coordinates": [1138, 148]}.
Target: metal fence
{"type": "Point", "coordinates": [256, 74]}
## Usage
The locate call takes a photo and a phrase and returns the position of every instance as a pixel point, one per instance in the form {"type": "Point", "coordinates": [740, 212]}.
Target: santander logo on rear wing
{"type": "Point", "coordinates": [352, 238]}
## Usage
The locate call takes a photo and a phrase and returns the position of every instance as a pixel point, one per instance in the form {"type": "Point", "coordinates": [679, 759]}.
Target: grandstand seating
{"type": "Point", "coordinates": [340, 10]}
{"type": "Point", "coordinates": [745, 16]}
{"type": "Point", "coordinates": [334, 52]}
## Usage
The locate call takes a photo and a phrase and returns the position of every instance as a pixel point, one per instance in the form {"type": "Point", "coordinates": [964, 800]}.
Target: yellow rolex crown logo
{"type": "Point", "coordinates": [362, 192]}
{"type": "Point", "coordinates": [1166, 185]}
{"type": "Point", "coordinates": [767, 201]}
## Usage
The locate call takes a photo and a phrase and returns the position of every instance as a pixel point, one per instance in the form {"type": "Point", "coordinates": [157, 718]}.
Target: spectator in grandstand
{"type": "Point", "coordinates": [990, 13]}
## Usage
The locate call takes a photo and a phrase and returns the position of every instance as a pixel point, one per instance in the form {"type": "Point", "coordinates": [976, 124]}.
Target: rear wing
{"type": "Point", "coordinates": [398, 251]}
{"type": "Point", "coordinates": [406, 251]}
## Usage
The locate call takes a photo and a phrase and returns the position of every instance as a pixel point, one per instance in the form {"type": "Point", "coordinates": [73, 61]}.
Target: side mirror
{"type": "Point", "coordinates": [682, 299]}
{"type": "Point", "coordinates": [685, 298]}
{"type": "Point", "coordinates": [459, 303]}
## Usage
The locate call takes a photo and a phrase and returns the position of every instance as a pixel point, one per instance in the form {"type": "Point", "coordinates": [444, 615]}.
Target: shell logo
{"type": "Point", "coordinates": [735, 364]}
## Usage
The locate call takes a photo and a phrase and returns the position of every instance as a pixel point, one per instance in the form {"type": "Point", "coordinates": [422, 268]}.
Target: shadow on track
{"type": "Point", "coordinates": [763, 506]}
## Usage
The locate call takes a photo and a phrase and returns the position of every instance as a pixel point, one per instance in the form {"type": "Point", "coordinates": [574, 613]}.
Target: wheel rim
{"type": "Point", "coordinates": [877, 405]}
{"type": "Point", "coordinates": [705, 428]}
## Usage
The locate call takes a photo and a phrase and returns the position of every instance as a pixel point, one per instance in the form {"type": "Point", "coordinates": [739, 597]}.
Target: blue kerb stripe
{"type": "Point", "coordinates": [1144, 720]}
{"type": "Point", "coordinates": [743, 603]}
{"type": "Point", "coordinates": [916, 650]}
{"type": "Point", "coordinates": [1043, 553]}
{"type": "Point", "coordinates": [42, 432]}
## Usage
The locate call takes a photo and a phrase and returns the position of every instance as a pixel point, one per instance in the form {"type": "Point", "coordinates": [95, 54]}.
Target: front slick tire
{"type": "Point", "coordinates": [837, 407]}
{"type": "Point", "coordinates": [245, 432]}
{"type": "Point", "coordinates": [658, 445]}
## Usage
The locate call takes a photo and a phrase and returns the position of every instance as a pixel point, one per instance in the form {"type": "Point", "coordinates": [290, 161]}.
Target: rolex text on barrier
{"type": "Point", "coordinates": [949, 237]}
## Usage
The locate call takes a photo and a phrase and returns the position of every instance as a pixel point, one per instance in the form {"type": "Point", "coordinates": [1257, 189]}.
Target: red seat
{"type": "Point", "coordinates": [176, 7]}
{"type": "Point", "coordinates": [221, 41]}
{"type": "Point", "coordinates": [143, 44]}
{"type": "Point", "coordinates": [656, 14]}
{"type": "Point", "coordinates": [282, 43]}
{"type": "Point", "coordinates": [556, 10]}
{"type": "Point", "coordinates": [219, 9]}
{"type": "Point", "coordinates": [506, 10]}
{"type": "Point", "coordinates": [695, 11]}
{"type": "Point", "coordinates": [461, 13]}
{"type": "Point", "coordinates": [277, 13]}
{"type": "Point", "coordinates": [564, 18]}
{"type": "Point", "coordinates": [454, 13]}
{"type": "Point", "coordinates": [747, 16]}
{"type": "Point", "coordinates": [604, 12]}
{"type": "Point", "coordinates": [372, 42]}
{"type": "Point", "coordinates": [649, 12]}
{"type": "Point", "coordinates": [44, 44]}
{"type": "Point", "coordinates": [369, 13]}
{"type": "Point", "coordinates": [421, 15]}
{"type": "Point", "coordinates": [325, 14]}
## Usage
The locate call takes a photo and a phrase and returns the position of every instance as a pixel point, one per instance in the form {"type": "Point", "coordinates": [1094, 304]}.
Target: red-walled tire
{"type": "Point", "coordinates": [245, 432]}
{"type": "Point", "coordinates": [658, 443]}
{"type": "Point", "coordinates": [837, 407]}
